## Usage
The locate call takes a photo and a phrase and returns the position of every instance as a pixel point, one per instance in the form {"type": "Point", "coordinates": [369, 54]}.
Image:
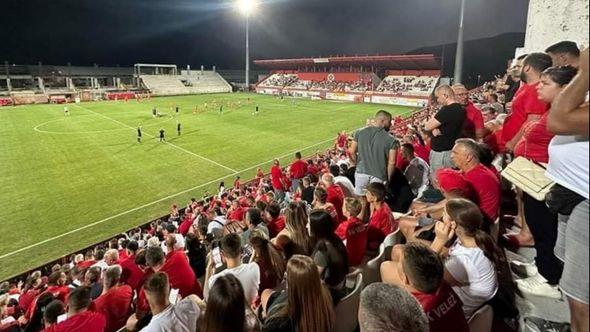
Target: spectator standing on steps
{"type": "Point", "coordinates": [446, 127]}
{"type": "Point", "coordinates": [374, 151]}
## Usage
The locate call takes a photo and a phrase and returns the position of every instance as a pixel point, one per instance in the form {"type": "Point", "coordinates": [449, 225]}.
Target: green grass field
{"type": "Point", "coordinates": [71, 181]}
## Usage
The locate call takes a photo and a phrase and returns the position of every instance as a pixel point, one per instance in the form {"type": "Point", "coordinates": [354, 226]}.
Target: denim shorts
{"type": "Point", "coordinates": [362, 180]}
{"type": "Point", "coordinates": [572, 248]}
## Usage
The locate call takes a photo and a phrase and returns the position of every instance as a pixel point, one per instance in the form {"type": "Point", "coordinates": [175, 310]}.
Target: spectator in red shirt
{"type": "Point", "coordinates": [312, 168]}
{"type": "Point", "coordinates": [486, 185]}
{"type": "Point", "coordinates": [237, 183]}
{"type": "Point", "coordinates": [52, 311]}
{"type": "Point", "coordinates": [115, 301]}
{"type": "Point", "coordinates": [277, 180]}
{"type": "Point", "coordinates": [259, 175]}
{"type": "Point", "coordinates": [131, 274]}
{"type": "Point", "coordinates": [79, 317]}
{"type": "Point", "coordinates": [297, 171]}
{"type": "Point", "coordinates": [320, 202]}
{"type": "Point", "coordinates": [335, 195]}
{"type": "Point", "coordinates": [473, 126]}
{"type": "Point", "coordinates": [88, 260]}
{"type": "Point", "coordinates": [57, 285]}
{"type": "Point", "coordinates": [381, 222]}
{"type": "Point", "coordinates": [236, 212]}
{"type": "Point", "coordinates": [176, 265]}
{"type": "Point", "coordinates": [534, 143]}
{"type": "Point", "coordinates": [274, 221]}
{"type": "Point", "coordinates": [526, 105]}
{"type": "Point", "coordinates": [420, 271]}
{"type": "Point", "coordinates": [353, 231]}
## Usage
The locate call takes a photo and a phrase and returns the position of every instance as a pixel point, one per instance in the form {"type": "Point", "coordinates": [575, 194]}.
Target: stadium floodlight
{"type": "Point", "coordinates": [247, 7]}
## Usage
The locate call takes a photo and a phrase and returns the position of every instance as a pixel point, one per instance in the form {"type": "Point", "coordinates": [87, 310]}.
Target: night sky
{"type": "Point", "coordinates": [211, 32]}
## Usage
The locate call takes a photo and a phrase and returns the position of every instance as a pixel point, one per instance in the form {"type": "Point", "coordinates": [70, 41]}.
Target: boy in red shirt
{"type": "Point", "coordinates": [115, 301]}
{"type": "Point", "coordinates": [381, 222]}
{"type": "Point", "coordinates": [80, 319]}
{"type": "Point", "coordinates": [420, 271]}
{"type": "Point", "coordinates": [274, 221]}
{"type": "Point", "coordinates": [353, 231]}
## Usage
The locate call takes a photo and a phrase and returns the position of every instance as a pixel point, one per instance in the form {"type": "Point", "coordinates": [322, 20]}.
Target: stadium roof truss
{"type": "Point", "coordinates": [417, 61]}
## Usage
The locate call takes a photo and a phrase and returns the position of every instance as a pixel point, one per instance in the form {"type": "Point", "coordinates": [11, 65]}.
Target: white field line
{"type": "Point", "coordinates": [158, 200]}
{"type": "Point", "coordinates": [154, 202]}
{"type": "Point", "coordinates": [170, 144]}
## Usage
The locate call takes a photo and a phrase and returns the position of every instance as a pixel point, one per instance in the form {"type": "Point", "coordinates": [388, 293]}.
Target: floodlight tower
{"type": "Point", "coordinates": [459, 55]}
{"type": "Point", "coordinates": [247, 7]}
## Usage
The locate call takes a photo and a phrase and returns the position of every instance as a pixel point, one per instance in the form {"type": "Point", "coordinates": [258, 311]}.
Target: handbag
{"type": "Point", "coordinates": [529, 177]}
{"type": "Point", "coordinates": [562, 200]}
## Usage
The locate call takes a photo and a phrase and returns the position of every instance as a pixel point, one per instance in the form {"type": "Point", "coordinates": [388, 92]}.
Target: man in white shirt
{"type": "Point", "coordinates": [247, 274]}
{"type": "Point", "coordinates": [342, 181]}
{"type": "Point", "coordinates": [417, 171]}
{"type": "Point", "coordinates": [169, 228]}
{"type": "Point", "coordinates": [218, 221]}
{"type": "Point", "coordinates": [168, 317]}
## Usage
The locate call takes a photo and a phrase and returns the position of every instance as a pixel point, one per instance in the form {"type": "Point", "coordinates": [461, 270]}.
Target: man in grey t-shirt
{"type": "Point", "coordinates": [373, 150]}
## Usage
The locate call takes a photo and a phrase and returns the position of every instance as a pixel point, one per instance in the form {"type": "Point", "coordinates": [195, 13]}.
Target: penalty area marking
{"type": "Point", "coordinates": [161, 199]}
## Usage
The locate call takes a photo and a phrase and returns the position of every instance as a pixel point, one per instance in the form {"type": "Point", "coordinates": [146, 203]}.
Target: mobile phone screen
{"type": "Point", "coordinates": [216, 257]}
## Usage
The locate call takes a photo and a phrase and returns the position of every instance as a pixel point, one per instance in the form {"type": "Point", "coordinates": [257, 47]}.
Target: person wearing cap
{"type": "Point", "coordinates": [452, 184]}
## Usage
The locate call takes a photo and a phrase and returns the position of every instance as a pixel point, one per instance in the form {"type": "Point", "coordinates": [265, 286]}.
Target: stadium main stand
{"type": "Point", "coordinates": [205, 82]}
{"type": "Point", "coordinates": [24, 84]}
{"type": "Point", "coordinates": [409, 80]}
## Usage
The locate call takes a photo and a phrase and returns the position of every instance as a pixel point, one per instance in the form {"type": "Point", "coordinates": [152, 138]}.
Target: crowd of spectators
{"type": "Point", "coordinates": [408, 85]}
{"type": "Point", "coordinates": [277, 253]}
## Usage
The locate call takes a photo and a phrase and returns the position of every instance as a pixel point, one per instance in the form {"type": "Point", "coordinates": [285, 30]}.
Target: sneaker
{"type": "Point", "coordinates": [524, 270]}
{"type": "Point", "coordinates": [538, 286]}
{"type": "Point", "coordinates": [535, 324]}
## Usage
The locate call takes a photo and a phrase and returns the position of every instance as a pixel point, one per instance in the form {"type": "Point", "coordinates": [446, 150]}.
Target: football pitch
{"type": "Point", "coordinates": [68, 182]}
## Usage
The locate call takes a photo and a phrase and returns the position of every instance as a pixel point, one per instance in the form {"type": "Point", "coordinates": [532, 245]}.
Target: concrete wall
{"type": "Point", "coordinates": [550, 21]}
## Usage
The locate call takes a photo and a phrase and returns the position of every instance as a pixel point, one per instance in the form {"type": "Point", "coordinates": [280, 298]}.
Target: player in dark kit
{"type": "Point", "coordinates": [162, 138]}
{"type": "Point", "coordinates": [154, 112]}
{"type": "Point", "coordinates": [138, 134]}
{"type": "Point", "coordinates": [178, 127]}
{"type": "Point", "coordinates": [177, 110]}
{"type": "Point", "coordinates": [220, 109]}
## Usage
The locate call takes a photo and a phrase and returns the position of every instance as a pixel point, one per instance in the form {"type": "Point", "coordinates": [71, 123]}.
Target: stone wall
{"type": "Point", "coordinates": [550, 21]}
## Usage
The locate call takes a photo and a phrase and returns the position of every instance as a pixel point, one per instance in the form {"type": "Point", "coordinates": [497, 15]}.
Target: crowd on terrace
{"type": "Point", "coordinates": [421, 196]}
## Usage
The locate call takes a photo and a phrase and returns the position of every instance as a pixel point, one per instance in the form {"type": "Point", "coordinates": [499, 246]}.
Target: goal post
{"type": "Point", "coordinates": [152, 69]}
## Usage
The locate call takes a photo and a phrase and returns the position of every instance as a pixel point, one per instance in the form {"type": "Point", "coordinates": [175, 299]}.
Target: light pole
{"type": "Point", "coordinates": [246, 7]}
{"type": "Point", "coordinates": [459, 55]}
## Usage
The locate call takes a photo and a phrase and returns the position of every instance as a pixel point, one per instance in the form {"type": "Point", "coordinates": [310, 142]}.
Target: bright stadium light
{"type": "Point", "coordinates": [246, 7]}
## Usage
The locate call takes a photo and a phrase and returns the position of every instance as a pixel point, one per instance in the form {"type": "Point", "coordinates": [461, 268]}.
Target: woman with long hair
{"type": "Point", "coordinates": [227, 310]}
{"type": "Point", "coordinates": [329, 253]}
{"type": "Point", "coordinates": [305, 306]}
{"type": "Point", "coordinates": [539, 225]}
{"type": "Point", "coordinates": [294, 238]}
{"type": "Point", "coordinates": [476, 267]}
{"type": "Point", "coordinates": [320, 202]}
{"type": "Point", "coordinates": [197, 254]}
{"type": "Point", "coordinates": [271, 262]}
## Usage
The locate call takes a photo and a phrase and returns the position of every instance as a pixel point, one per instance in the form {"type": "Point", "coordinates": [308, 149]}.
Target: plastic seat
{"type": "Point", "coordinates": [347, 309]}
{"type": "Point", "coordinates": [482, 319]}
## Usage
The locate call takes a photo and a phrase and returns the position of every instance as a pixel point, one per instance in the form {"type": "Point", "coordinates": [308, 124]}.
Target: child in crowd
{"type": "Point", "coordinates": [353, 231]}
